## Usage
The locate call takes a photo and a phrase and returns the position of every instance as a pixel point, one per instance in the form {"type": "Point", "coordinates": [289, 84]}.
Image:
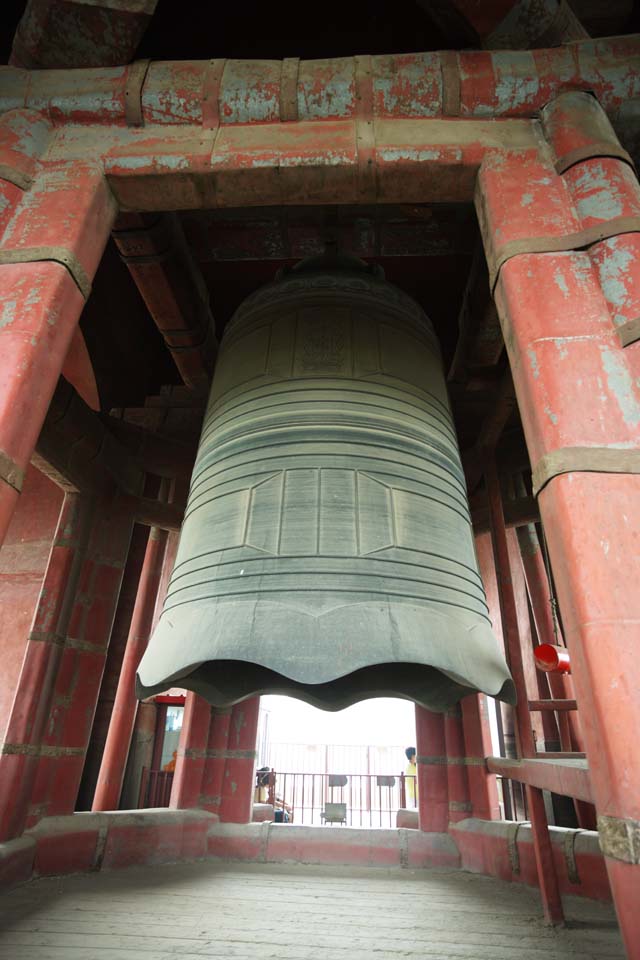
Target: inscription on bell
{"type": "Point", "coordinates": [322, 343]}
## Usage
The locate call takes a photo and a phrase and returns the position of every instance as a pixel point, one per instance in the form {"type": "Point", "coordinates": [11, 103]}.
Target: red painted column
{"type": "Point", "coordinates": [543, 730]}
{"type": "Point", "coordinates": [457, 765]}
{"type": "Point", "coordinates": [431, 761]}
{"type": "Point", "coordinates": [577, 388]}
{"type": "Point", "coordinates": [33, 700]}
{"type": "Point", "coordinates": [192, 753]}
{"type": "Point", "coordinates": [67, 213]}
{"type": "Point", "coordinates": [116, 750]}
{"type": "Point", "coordinates": [483, 789]}
{"type": "Point", "coordinates": [238, 784]}
{"type": "Point", "coordinates": [214, 770]}
{"type": "Point", "coordinates": [79, 674]}
{"type": "Point", "coordinates": [547, 878]}
{"type": "Point", "coordinates": [23, 564]}
{"type": "Point", "coordinates": [486, 565]}
{"type": "Point", "coordinates": [113, 665]}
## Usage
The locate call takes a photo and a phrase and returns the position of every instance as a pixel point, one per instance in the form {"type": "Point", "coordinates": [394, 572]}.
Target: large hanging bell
{"type": "Point", "coordinates": [327, 550]}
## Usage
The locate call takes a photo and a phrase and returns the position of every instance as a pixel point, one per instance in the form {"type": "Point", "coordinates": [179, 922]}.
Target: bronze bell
{"type": "Point", "coordinates": [327, 550]}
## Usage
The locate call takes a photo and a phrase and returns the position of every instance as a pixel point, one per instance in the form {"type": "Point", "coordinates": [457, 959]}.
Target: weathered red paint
{"type": "Point", "coordinates": [23, 563]}
{"type": "Point", "coordinates": [431, 760]}
{"type": "Point", "coordinates": [123, 716]}
{"type": "Point", "coordinates": [483, 790]}
{"type": "Point", "coordinates": [569, 780]}
{"type": "Point", "coordinates": [404, 86]}
{"type": "Point", "coordinates": [76, 34]}
{"type": "Point", "coordinates": [556, 319]}
{"type": "Point", "coordinates": [82, 660]}
{"type": "Point", "coordinates": [24, 135]}
{"type": "Point", "coordinates": [113, 666]}
{"type": "Point", "coordinates": [213, 775]}
{"type": "Point", "coordinates": [68, 206]}
{"type": "Point", "coordinates": [457, 766]}
{"type": "Point", "coordinates": [238, 782]}
{"type": "Point", "coordinates": [192, 753]}
{"type": "Point", "coordinates": [508, 577]}
{"type": "Point", "coordinates": [33, 699]}
{"type": "Point", "coordinates": [488, 848]}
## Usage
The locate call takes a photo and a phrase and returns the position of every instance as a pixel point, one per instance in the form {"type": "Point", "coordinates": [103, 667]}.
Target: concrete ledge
{"type": "Point", "coordinates": [16, 861]}
{"type": "Point", "coordinates": [262, 812]}
{"type": "Point", "coordinates": [93, 841]}
{"type": "Point", "coordinates": [352, 846]}
{"type": "Point", "coordinates": [504, 849]}
{"type": "Point", "coordinates": [408, 818]}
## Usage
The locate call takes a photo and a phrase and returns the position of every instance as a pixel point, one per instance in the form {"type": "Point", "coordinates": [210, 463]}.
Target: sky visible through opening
{"type": "Point", "coordinates": [383, 721]}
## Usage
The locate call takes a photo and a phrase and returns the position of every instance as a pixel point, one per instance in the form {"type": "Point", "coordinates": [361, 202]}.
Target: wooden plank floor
{"type": "Point", "coordinates": [253, 912]}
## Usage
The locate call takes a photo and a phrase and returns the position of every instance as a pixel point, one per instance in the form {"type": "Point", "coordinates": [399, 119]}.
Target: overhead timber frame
{"type": "Point", "coordinates": [528, 136]}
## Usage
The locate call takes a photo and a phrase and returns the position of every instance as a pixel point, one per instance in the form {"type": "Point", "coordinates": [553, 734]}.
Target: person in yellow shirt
{"type": "Point", "coordinates": [411, 777]}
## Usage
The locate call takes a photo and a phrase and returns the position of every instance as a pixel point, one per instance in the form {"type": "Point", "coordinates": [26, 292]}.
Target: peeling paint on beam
{"type": "Point", "coordinates": [410, 86]}
{"type": "Point", "coordinates": [180, 168]}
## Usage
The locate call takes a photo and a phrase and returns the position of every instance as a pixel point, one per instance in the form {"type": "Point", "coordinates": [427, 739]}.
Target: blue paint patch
{"type": "Point", "coordinates": [600, 203]}
{"type": "Point", "coordinates": [561, 282]}
{"type": "Point", "coordinates": [612, 271]}
{"type": "Point", "coordinates": [533, 358]}
{"type": "Point", "coordinates": [621, 385]}
{"type": "Point", "coordinates": [8, 314]}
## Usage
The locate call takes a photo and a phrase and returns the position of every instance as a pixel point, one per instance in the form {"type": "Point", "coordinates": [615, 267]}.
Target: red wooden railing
{"type": "Point", "coordinates": [155, 788]}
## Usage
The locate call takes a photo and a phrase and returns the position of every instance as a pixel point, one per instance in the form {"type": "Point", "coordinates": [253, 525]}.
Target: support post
{"type": "Point", "coordinates": [483, 789]}
{"type": "Point", "coordinates": [49, 252]}
{"type": "Point", "coordinates": [192, 752]}
{"type": "Point", "coordinates": [504, 711]}
{"type": "Point", "coordinates": [431, 762]}
{"type": "Point", "coordinates": [563, 312]}
{"type": "Point", "coordinates": [33, 699]}
{"type": "Point", "coordinates": [237, 789]}
{"type": "Point", "coordinates": [79, 675]}
{"type": "Point", "coordinates": [547, 878]}
{"type": "Point", "coordinates": [214, 770]}
{"type": "Point", "coordinates": [116, 750]}
{"type": "Point", "coordinates": [457, 766]}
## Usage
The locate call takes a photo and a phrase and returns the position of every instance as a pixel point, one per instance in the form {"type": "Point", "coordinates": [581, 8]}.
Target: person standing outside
{"type": "Point", "coordinates": [411, 777]}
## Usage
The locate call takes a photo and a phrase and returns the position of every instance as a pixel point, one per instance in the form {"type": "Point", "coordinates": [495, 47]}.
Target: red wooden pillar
{"type": "Point", "coordinates": [511, 793]}
{"type": "Point", "coordinates": [579, 397]}
{"type": "Point", "coordinates": [79, 674]}
{"type": "Point", "coordinates": [34, 693]}
{"type": "Point", "coordinates": [547, 879]}
{"type": "Point", "coordinates": [238, 785]}
{"type": "Point", "coordinates": [49, 252]}
{"type": "Point", "coordinates": [214, 770]}
{"type": "Point", "coordinates": [192, 753]}
{"type": "Point", "coordinates": [431, 761]}
{"type": "Point", "coordinates": [116, 750]}
{"type": "Point", "coordinates": [457, 766]}
{"type": "Point", "coordinates": [545, 731]}
{"type": "Point", "coordinates": [483, 789]}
